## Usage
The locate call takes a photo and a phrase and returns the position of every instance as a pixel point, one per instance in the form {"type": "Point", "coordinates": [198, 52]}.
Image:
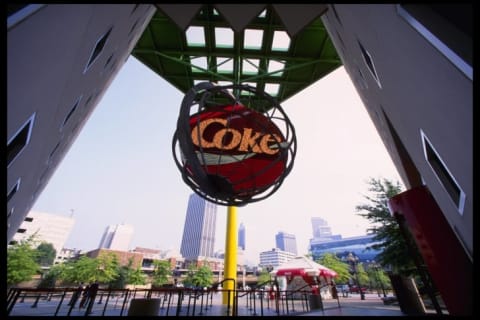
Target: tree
{"type": "Point", "coordinates": [46, 254]}
{"type": "Point", "coordinates": [331, 261]}
{"type": "Point", "coordinates": [189, 280]}
{"type": "Point", "coordinates": [50, 278]}
{"type": "Point", "coordinates": [81, 270]}
{"type": "Point", "coordinates": [107, 267]}
{"type": "Point", "coordinates": [264, 276]}
{"type": "Point", "coordinates": [21, 262]}
{"type": "Point", "coordinates": [203, 277]}
{"type": "Point", "coordinates": [391, 243]}
{"type": "Point", "coordinates": [361, 275]}
{"type": "Point", "coordinates": [127, 275]}
{"type": "Point", "coordinates": [161, 272]}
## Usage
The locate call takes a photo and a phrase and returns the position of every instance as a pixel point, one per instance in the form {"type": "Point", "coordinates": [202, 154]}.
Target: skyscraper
{"type": "Point", "coordinates": [320, 228]}
{"type": "Point", "coordinates": [241, 236]}
{"type": "Point", "coordinates": [117, 237]}
{"type": "Point", "coordinates": [286, 242]}
{"type": "Point", "coordinates": [199, 230]}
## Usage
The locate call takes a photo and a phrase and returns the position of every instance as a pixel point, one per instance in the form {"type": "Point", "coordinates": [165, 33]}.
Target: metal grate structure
{"type": "Point", "coordinates": [262, 54]}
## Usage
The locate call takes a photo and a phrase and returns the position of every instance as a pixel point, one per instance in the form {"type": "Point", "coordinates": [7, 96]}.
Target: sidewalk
{"type": "Point", "coordinates": [345, 306]}
{"type": "Point", "coordinates": [354, 306]}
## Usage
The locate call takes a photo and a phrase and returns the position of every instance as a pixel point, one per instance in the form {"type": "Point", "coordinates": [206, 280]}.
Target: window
{"type": "Point", "coordinates": [199, 64]}
{"type": "Point", "coordinates": [367, 58]}
{"type": "Point", "coordinates": [446, 179]}
{"type": "Point", "coordinates": [53, 153]}
{"type": "Point", "coordinates": [21, 230]}
{"type": "Point", "coordinates": [29, 219]}
{"type": "Point", "coordinates": [277, 66]}
{"type": "Point", "coordinates": [133, 26]}
{"type": "Point", "coordinates": [253, 39]}
{"type": "Point", "coordinates": [195, 36]}
{"type": "Point", "coordinates": [224, 37]}
{"type": "Point", "coordinates": [19, 141]}
{"type": "Point", "coordinates": [108, 61]}
{"type": "Point", "coordinates": [9, 214]}
{"type": "Point", "coordinates": [13, 190]}
{"type": "Point", "coordinates": [71, 112]}
{"type": "Point", "coordinates": [99, 45]}
{"type": "Point", "coordinates": [224, 65]}
{"type": "Point", "coordinates": [272, 88]}
{"type": "Point", "coordinates": [250, 66]}
{"type": "Point", "coordinates": [281, 41]}
{"type": "Point", "coordinates": [447, 27]}
{"type": "Point", "coordinates": [336, 14]}
{"type": "Point", "coordinates": [135, 7]}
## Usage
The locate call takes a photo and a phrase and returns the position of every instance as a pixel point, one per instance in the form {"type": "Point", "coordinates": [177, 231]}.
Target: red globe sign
{"type": "Point", "coordinates": [239, 145]}
{"type": "Point", "coordinates": [228, 152]}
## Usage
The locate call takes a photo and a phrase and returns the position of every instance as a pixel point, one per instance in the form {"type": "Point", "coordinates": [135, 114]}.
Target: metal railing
{"type": "Point", "coordinates": [173, 302]}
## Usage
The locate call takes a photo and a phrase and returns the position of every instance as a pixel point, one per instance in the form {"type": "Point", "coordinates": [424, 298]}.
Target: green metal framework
{"type": "Point", "coordinates": [164, 48]}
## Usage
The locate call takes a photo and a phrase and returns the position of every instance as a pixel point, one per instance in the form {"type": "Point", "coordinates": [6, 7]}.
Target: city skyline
{"type": "Point", "coordinates": [132, 178]}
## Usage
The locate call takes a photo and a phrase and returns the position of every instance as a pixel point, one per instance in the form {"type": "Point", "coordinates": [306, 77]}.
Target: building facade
{"type": "Point", "coordinates": [241, 236]}
{"type": "Point", "coordinates": [286, 242]}
{"type": "Point", "coordinates": [341, 248]}
{"type": "Point", "coordinates": [50, 228]}
{"type": "Point", "coordinates": [275, 258]}
{"type": "Point", "coordinates": [199, 229]}
{"type": "Point", "coordinates": [412, 65]}
{"type": "Point", "coordinates": [322, 231]}
{"type": "Point", "coordinates": [117, 237]}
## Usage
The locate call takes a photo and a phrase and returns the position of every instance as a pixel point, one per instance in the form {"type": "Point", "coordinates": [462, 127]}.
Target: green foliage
{"type": "Point", "coordinates": [331, 261]}
{"type": "Point", "coordinates": [107, 267]}
{"type": "Point", "coordinates": [203, 277]}
{"type": "Point", "coordinates": [46, 254]}
{"type": "Point", "coordinates": [127, 275]}
{"type": "Point", "coordinates": [161, 272]}
{"type": "Point", "coordinates": [103, 269]}
{"type": "Point", "coordinates": [361, 275]}
{"type": "Point", "coordinates": [394, 248]}
{"type": "Point", "coordinates": [21, 262]}
{"type": "Point", "coordinates": [189, 278]}
{"type": "Point", "coordinates": [198, 277]}
{"type": "Point", "coordinates": [77, 271]}
{"type": "Point", "coordinates": [50, 278]}
{"type": "Point", "coordinates": [264, 276]}
{"type": "Point", "coordinates": [378, 278]}
{"type": "Point", "coordinates": [136, 276]}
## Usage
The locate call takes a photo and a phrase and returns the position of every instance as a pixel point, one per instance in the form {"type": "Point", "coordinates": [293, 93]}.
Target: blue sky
{"type": "Point", "coordinates": [121, 169]}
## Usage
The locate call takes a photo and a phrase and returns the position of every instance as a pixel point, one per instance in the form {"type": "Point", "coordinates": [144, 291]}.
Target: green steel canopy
{"type": "Point", "coordinates": [260, 53]}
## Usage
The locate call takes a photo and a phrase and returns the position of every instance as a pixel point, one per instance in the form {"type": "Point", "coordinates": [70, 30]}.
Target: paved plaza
{"type": "Point", "coordinates": [345, 306]}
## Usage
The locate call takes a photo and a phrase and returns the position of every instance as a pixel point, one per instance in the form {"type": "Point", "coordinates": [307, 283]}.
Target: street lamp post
{"type": "Point", "coordinates": [354, 261]}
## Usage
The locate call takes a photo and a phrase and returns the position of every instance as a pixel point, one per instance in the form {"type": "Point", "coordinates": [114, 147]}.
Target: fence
{"type": "Point", "coordinates": [173, 302]}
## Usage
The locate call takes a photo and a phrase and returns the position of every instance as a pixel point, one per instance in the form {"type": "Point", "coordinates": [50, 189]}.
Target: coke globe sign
{"type": "Point", "coordinates": [230, 154]}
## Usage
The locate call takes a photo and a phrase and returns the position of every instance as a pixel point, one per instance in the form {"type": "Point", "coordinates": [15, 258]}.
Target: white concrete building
{"type": "Point", "coordinates": [275, 257]}
{"type": "Point", "coordinates": [49, 227]}
{"type": "Point", "coordinates": [117, 237]}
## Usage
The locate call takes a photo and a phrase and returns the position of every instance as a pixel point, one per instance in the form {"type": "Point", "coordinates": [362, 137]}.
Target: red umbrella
{"type": "Point", "coordinates": [304, 266]}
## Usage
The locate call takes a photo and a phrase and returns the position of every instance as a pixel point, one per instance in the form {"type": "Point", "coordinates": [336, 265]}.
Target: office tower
{"type": "Point", "coordinates": [320, 228]}
{"type": "Point", "coordinates": [117, 237]}
{"type": "Point", "coordinates": [50, 228]}
{"type": "Point", "coordinates": [241, 236]}
{"type": "Point", "coordinates": [286, 242]}
{"type": "Point", "coordinates": [199, 231]}
{"type": "Point", "coordinates": [275, 257]}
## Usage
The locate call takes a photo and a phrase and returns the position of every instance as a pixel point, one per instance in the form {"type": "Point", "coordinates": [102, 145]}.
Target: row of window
{"type": "Point", "coordinates": [224, 38]}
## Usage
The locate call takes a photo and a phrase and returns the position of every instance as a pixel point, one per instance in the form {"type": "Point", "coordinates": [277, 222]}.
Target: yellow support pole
{"type": "Point", "coordinates": [230, 260]}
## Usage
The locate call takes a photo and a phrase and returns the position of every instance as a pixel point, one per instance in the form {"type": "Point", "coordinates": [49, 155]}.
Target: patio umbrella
{"type": "Point", "coordinates": [302, 266]}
